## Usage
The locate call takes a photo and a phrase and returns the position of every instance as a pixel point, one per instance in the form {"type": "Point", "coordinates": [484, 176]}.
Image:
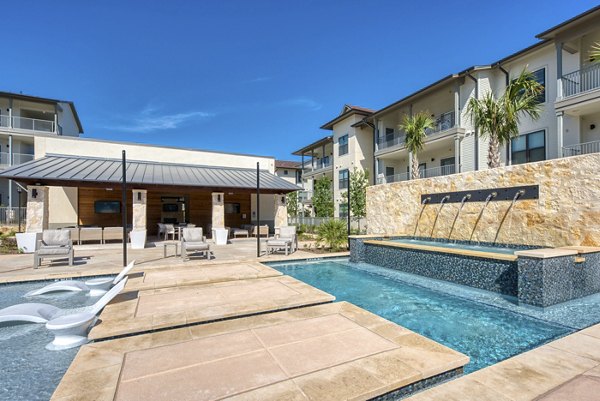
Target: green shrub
{"type": "Point", "coordinates": [333, 234]}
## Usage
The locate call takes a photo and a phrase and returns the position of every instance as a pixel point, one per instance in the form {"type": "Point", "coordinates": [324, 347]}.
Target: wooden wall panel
{"type": "Point", "coordinates": [86, 213]}
{"type": "Point", "coordinates": [236, 220]}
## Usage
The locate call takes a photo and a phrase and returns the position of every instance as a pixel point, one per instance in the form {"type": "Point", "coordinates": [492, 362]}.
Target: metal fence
{"type": "Point", "coordinates": [355, 223]}
{"type": "Point", "coordinates": [583, 80]}
{"type": "Point", "coordinates": [9, 216]}
{"type": "Point", "coordinates": [581, 149]}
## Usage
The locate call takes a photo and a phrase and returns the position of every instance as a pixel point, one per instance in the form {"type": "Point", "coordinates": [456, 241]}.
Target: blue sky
{"type": "Point", "coordinates": [257, 76]}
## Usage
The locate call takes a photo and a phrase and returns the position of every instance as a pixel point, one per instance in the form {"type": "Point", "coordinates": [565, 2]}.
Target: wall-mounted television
{"type": "Point", "coordinates": [232, 208]}
{"type": "Point", "coordinates": [170, 207]}
{"type": "Point", "coordinates": [107, 207]}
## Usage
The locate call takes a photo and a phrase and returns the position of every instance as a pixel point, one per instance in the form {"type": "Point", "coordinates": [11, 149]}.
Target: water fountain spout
{"type": "Point", "coordinates": [487, 200]}
{"type": "Point", "coordinates": [442, 201]}
{"type": "Point", "coordinates": [518, 194]}
{"type": "Point", "coordinates": [462, 202]}
{"type": "Point", "coordinates": [423, 203]}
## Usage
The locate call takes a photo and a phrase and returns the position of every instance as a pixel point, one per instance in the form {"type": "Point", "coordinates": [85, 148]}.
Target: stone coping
{"type": "Point", "coordinates": [462, 252]}
{"type": "Point", "coordinates": [546, 253]}
{"type": "Point", "coordinates": [553, 371]}
{"type": "Point", "coordinates": [201, 274]}
{"type": "Point", "coordinates": [326, 352]}
{"type": "Point", "coordinates": [147, 310]}
{"type": "Point", "coordinates": [582, 249]}
{"type": "Point", "coordinates": [366, 236]}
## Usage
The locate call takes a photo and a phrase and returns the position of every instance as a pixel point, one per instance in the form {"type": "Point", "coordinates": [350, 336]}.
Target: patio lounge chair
{"type": "Point", "coordinates": [71, 330]}
{"type": "Point", "coordinates": [74, 234]}
{"type": "Point", "coordinates": [286, 240]}
{"type": "Point", "coordinates": [90, 234]}
{"type": "Point", "coordinates": [260, 231]}
{"type": "Point", "coordinates": [238, 232]}
{"type": "Point", "coordinates": [42, 313]}
{"type": "Point", "coordinates": [55, 244]}
{"type": "Point", "coordinates": [95, 287]}
{"type": "Point", "coordinates": [193, 241]}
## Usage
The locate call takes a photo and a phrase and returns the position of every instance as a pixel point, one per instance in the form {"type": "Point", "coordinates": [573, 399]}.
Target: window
{"type": "Point", "coordinates": [447, 166]}
{"type": "Point", "coordinates": [343, 143]}
{"type": "Point", "coordinates": [298, 176]}
{"type": "Point", "coordinates": [389, 171]}
{"type": "Point", "coordinates": [528, 148]}
{"type": "Point", "coordinates": [343, 179]}
{"type": "Point", "coordinates": [344, 209]}
{"type": "Point", "coordinates": [285, 172]}
{"type": "Point", "coordinates": [540, 77]}
{"type": "Point", "coordinates": [389, 134]}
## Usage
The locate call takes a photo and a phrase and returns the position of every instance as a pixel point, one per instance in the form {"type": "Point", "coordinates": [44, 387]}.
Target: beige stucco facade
{"type": "Point", "coordinates": [566, 213]}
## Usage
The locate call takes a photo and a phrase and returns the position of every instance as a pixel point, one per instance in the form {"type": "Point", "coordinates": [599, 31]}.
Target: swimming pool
{"type": "Point", "coordinates": [29, 371]}
{"type": "Point", "coordinates": [485, 333]}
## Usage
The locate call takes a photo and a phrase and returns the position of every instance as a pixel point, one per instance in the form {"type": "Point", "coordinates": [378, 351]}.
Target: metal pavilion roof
{"type": "Point", "coordinates": [79, 169]}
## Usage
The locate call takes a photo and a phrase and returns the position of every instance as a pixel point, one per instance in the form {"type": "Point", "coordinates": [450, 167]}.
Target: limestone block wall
{"type": "Point", "coordinates": [566, 213]}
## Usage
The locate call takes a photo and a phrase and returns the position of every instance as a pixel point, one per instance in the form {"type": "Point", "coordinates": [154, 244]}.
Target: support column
{"type": "Point", "coordinates": [37, 209]}
{"type": "Point", "coordinates": [559, 69]}
{"type": "Point", "coordinates": [457, 105]}
{"type": "Point", "coordinates": [218, 210]}
{"type": "Point", "coordinates": [139, 209]}
{"type": "Point", "coordinates": [281, 214]}
{"type": "Point", "coordinates": [457, 154]}
{"type": "Point", "coordinates": [559, 133]}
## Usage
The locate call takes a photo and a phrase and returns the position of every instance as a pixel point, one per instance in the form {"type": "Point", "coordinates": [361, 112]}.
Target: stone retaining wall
{"type": "Point", "coordinates": [566, 213]}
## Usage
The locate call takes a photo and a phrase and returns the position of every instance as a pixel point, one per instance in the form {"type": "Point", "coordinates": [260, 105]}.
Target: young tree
{"type": "Point", "coordinates": [415, 127]}
{"type": "Point", "coordinates": [359, 180]}
{"type": "Point", "coordinates": [323, 197]}
{"type": "Point", "coordinates": [292, 204]}
{"type": "Point", "coordinates": [498, 118]}
{"type": "Point", "coordinates": [595, 52]}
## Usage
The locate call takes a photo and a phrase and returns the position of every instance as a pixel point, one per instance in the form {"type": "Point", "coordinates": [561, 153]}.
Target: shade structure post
{"type": "Point", "coordinates": [258, 209]}
{"type": "Point", "coordinates": [124, 205]}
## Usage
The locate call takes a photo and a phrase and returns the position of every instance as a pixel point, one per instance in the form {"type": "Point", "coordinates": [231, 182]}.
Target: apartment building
{"type": "Point", "coordinates": [567, 124]}
{"type": "Point", "coordinates": [291, 171]}
{"type": "Point", "coordinates": [22, 119]}
{"type": "Point", "coordinates": [349, 147]}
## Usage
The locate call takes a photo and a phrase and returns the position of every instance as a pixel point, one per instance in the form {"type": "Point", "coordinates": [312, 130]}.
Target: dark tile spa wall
{"type": "Point", "coordinates": [357, 247]}
{"type": "Point", "coordinates": [485, 273]}
{"type": "Point", "coordinates": [546, 282]}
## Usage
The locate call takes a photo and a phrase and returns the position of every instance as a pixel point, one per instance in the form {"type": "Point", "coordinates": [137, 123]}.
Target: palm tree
{"type": "Point", "coordinates": [498, 118]}
{"type": "Point", "coordinates": [595, 52]}
{"type": "Point", "coordinates": [415, 127]}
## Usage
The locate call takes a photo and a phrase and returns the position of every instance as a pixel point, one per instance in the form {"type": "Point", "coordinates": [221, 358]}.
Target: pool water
{"type": "Point", "coordinates": [29, 371]}
{"type": "Point", "coordinates": [452, 245]}
{"type": "Point", "coordinates": [485, 333]}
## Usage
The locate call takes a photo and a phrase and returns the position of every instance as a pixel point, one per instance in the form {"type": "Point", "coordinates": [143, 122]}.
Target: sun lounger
{"type": "Point", "coordinates": [42, 313]}
{"type": "Point", "coordinates": [95, 287]}
{"type": "Point", "coordinates": [71, 330]}
{"type": "Point", "coordinates": [286, 241]}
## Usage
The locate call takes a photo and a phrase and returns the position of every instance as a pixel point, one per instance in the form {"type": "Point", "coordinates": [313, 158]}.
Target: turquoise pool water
{"type": "Point", "coordinates": [451, 245]}
{"type": "Point", "coordinates": [485, 333]}
{"type": "Point", "coordinates": [28, 371]}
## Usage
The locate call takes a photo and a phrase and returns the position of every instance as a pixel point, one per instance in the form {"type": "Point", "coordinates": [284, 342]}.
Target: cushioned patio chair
{"type": "Point", "coordinates": [260, 231]}
{"type": "Point", "coordinates": [74, 234]}
{"type": "Point", "coordinates": [55, 244]}
{"type": "Point", "coordinates": [71, 330]}
{"type": "Point", "coordinates": [95, 287]}
{"type": "Point", "coordinates": [286, 241]}
{"type": "Point", "coordinates": [42, 313]}
{"type": "Point", "coordinates": [192, 241]}
{"type": "Point", "coordinates": [170, 230]}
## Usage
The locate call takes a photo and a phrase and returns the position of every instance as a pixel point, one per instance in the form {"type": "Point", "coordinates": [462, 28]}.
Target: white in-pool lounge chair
{"type": "Point", "coordinates": [42, 313]}
{"type": "Point", "coordinates": [95, 287]}
{"type": "Point", "coordinates": [71, 330]}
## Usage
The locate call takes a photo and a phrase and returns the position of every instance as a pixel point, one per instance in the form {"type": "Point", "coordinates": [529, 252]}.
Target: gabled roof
{"type": "Point", "coordinates": [287, 164]}
{"type": "Point", "coordinates": [314, 145]}
{"type": "Point", "coordinates": [38, 99]}
{"type": "Point", "coordinates": [347, 111]}
{"type": "Point", "coordinates": [78, 170]}
{"type": "Point", "coordinates": [557, 29]}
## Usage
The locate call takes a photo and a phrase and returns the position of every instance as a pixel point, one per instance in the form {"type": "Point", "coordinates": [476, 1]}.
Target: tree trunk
{"type": "Point", "coordinates": [494, 152]}
{"type": "Point", "coordinates": [415, 167]}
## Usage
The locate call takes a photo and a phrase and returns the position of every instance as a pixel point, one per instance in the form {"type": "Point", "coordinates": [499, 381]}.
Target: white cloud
{"type": "Point", "coordinates": [258, 79]}
{"type": "Point", "coordinates": [150, 119]}
{"type": "Point", "coordinates": [303, 102]}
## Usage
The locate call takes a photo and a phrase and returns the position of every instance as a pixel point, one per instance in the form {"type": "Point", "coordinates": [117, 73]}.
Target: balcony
{"type": "Point", "coordinates": [17, 158]}
{"type": "Point", "coordinates": [388, 179]}
{"type": "Point", "coordinates": [582, 81]}
{"type": "Point", "coordinates": [581, 149]}
{"type": "Point", "coordinates": [317, 166]}
{"type": "Point", "coordinates": [28, 124]}
{"type": "Point", "coordinates": [443, 122]}
{"type": "Point", "coordinates": [426, 173]}
{"type": "Point", "coordinates": [305, 196]}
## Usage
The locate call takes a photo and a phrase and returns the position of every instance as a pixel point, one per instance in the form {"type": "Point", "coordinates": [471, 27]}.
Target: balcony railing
{"type": "Point", "coordinates": [443, 122]}
{"type": "Point", "coordinates": [305, 196]}
{"type": "Point", "coordinates": [586, 79]}
{"type": "Point", "coordinates": [17, 158]}
{"type": "Point", "coordinates": [581, 149]}
{"type": "Point", "coordinates": [437, 171]}
{"type": "Point", "coordinates": [388, 179]}
{"type": "Point", "coordinates": [29, 124]}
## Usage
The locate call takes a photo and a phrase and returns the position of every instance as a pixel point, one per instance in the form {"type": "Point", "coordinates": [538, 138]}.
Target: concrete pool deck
{"type": "Point", "coordinates": [327, 352]}
{"type": "Point", "coordinates": [140, 311]}
{"type": "Point", "coordinates": [567, 369]}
